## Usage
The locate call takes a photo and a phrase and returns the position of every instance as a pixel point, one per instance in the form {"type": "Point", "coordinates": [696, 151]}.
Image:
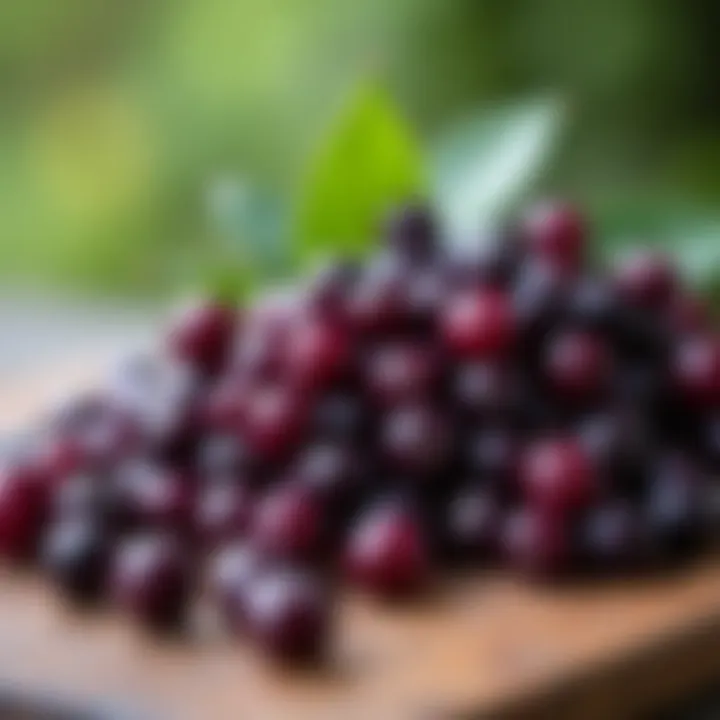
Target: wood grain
{"type": "Point", "coordinates": [487, 647]}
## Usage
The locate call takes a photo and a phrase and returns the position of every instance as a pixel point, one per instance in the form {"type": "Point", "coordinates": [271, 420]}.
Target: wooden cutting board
{"type": "Point", "coordinates": [487, 647]}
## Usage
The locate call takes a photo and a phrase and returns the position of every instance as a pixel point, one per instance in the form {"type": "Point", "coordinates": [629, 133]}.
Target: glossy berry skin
{"type": "Point", "coordinates": [386, 552]}
{"type": "Point", "coordinates": [157, 497]}
{"type": "Point", "coordinates": [288, 616]}
{"type": "Point", "coordinates": [478, 325]}
{"type": "Point", "coordinates": [414, 439]}
{"type": "Point", "coordinates": [150, 580]}
{"type": "Point", "coordinates": [75, 554]}
{"type": "Point", "coordinates": [318, 354]}
{"type": "Point", "coordinates": [484, 389]}
{"type": "Point", "coordinates": [202, 334]}
{"type": "Point", "coordinates": [558, 476]}
{"type": "Point", "coordinates": [223, 512]}
{"type": "Point", "coordinates": [288, 523]}
{"type": "Point", "coordinates": [379, 303]}
{"type": "Point", "coordinates": [411, 232]}
{"type": "Point", "coordinates": [535, 544]}
{"type": "Point", "coordinates": [331, 471]}
{"type": "Point", "coordinates": [232, 570]}
{"type": "Point", "coordinates": [473, 523]}
{"type": "Point", "coordinates": [556, 233]}
{"type": "Point", "coordinates": [274, 421]}
{"type": "Point", "coordinates": [400, 372]}
{"type": "Point", "coordinates": [696, 371]}
{"type": "Point", "coordinates": [645, 279]}
{"type": "Point", "coordinates": [577, 364]}
{"type": "Point", "coordinates": [24, 507]}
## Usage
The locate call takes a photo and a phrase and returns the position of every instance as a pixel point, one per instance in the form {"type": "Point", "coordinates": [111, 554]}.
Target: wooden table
{"type": "Point", "coordinates": [486, 647]}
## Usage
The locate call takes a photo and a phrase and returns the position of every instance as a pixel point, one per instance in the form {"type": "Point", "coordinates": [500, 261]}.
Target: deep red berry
{"type": "Point", "coordinates": [401, 372]}
{"type": "Point", "coordinates": [646, 279]}
{"type": "Point", "coordinates": [557, 476]}
{"type": "Point", "coordinates": [24, 504]}
{"type": "Point", "coordinates": [157, 497]}
{"type": "Point", "coordinates": [415, 439]}
{"type": "Point", "coordinates": [577, 364]}
{"type": "Point", "coordinates": [328, 293]}
{"type": "Point", "coordinates": [696, 370]}
{"type": "Point", "coordinates": [386, 552]}
{"type": "Point", "coordinates": [274, 421]}
{"type": "Point", "coordinates": [535, 544]}
{"type": "Point", "coordinates": [232, 570]}
{"type": "Point", "coordinates": [288, 614]}
{"type": "Point", "coordinates": [379, 302]}
{"type": "Point", "coordinates": [288, 523]}
{"type": "Point", "coordinates": [486, 389]}
{"type": "Point", "coordinates": [331, 471]}
{"type": "Point", "coordinates": [479, 324]}
{"type": "Point", "coordinates": [557, 233]}
{"type": "Point", "coordinates": [150, 579]}
{"type": "Point", "coordinates": [318, 354]}
{"type": "Point", "coordinates": [223, 513]}
{"type": "Point", "coordinates": [202, 335]}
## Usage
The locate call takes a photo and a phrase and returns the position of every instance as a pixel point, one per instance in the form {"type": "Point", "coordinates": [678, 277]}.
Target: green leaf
{"type": "Point", "coordinates": [369, 160]}
{"type": "Point", "coordinates": [486, 163]}
{"type": "Point", "coordinates": [688, 233]}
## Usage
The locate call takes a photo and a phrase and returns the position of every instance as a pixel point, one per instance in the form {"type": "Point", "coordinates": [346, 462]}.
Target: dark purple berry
{"type": "Point", "coordinates": [558, 476]}
{"type": "Point", "coordinates": [535, 544]}
{"type": "Point", "coordinates": [645, 279]}
{"type": "Point", "coordinates": [479, 324]}
{"type": "Point", "coordinates": [75, 554]}
{"type": "Point", "coordinates": [577, 364]}
{"type": "Point", "coordinates": [288, 615]}
{"type": "Point", "coordinates": [411, 232]}
{"type": "Point", "coordinates": [555, 233]}
{"type": "Point", "coordinates": [386, 552]}
{"type": "Point", "coordinates": [150, 579]}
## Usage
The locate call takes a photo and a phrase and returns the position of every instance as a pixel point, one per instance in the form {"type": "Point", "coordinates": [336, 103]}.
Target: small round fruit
{"type": "Point", "coordinates": [232, 570]}
{"type": "Point", "coordinates": [479, 324]}
{"type": "Point", "coordinates": [492, 455]}
{"type": "Point", "coordinates": [485, 389]}
{"type": "Point", "coordinates": [610, 539]}
{"type": "Point", "coordinates": [696, 370]}
{"type": "Point", "coordinates": [318, 354]}
{"type": "Point", "coordinates": [558, 476]}
{"type": "Point", "coordinates": [338, 417]}
{"type": "Point", "coordinates": [415, 439]}
{"type": "Point", "coordinates": [289, 523]}
{"type": "Point", "coordinates": [535, 544]}
{"type": "Point", "coordinates": [555, 232]}
{"type": "Point", "coordinates": [202, 334]}
{"type": "Point", "coordinates": [400, 372]}
{"type": "Point", "coordinates": [386, 552]}
{"type": "Point", "coordinates": [577, 364]}
{"type": "Point", "coordinates": [23, 509]}
{"type": "Point", "coordinates": [150, 580]}
{"type": "Point", "coordinates": [75, 554]}
{"type": "Point", "coordinates": [223, 512]}
{"type": "Point", "coordinates": [646, 279]}
{"type": "Point", "coordinates": [288, 615]}
{"type": "Point", "coordinates": [274, 422]}
{"type": "Point", "coordinates": [473, 523]}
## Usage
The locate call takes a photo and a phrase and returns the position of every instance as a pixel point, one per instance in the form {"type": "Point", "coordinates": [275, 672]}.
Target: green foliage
{"type": "Point", "coordinates": [369, 160]}
{"type": "Point", "coordinates": [487, 163]}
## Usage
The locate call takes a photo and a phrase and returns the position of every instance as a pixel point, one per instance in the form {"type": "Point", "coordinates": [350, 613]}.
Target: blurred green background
{"type": "Point", "coordinates": [115, 116]}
